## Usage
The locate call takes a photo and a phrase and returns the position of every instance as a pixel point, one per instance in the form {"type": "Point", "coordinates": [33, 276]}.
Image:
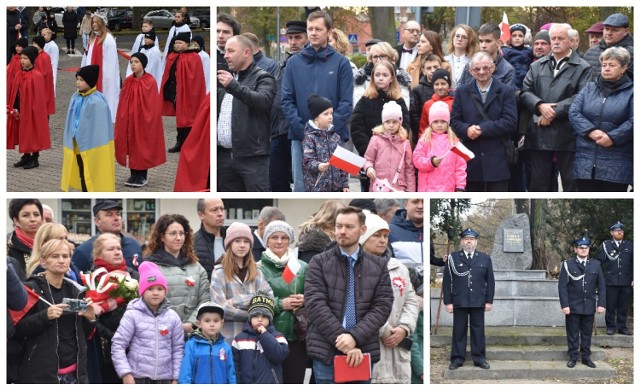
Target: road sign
{"type": "Point", "coordinates": [353, 39]}
{"type": "Point", "coordinates": [271, 37]}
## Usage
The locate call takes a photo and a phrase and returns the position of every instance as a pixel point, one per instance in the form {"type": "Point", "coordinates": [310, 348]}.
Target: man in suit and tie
{"type": "Point", "coordinates": [468, 288]}
{"type": "Point", "coordinates": [616, 256]}
{"type": "Point", "coordinates": [408, 51]}
{"type": "Point", "coordinates": [581, 282]}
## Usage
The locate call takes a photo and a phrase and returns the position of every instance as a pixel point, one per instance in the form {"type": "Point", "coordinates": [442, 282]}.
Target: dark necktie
{"type": "Point", "coordinates": [350, 308]}
{"type": "Point", "coordinates": [483, 95]}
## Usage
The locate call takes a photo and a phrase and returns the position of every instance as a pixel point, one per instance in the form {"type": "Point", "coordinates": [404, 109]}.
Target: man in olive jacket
{"type": "Point", "coordinates": [348, 297]}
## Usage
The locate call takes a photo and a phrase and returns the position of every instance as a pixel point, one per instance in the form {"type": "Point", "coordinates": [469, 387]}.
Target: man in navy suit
{"type": "Point", "coordinates": [468, 288]}
{"type": "Point", "coordinates": [616, 256]}
{"type": "Point", "coordinates": [581, 282]}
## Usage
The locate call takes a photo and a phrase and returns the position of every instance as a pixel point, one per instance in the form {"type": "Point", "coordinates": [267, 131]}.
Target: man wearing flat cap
{"type": "Point", "coordinates": [595, 33]}
{"type": "Point", "coordinates": [468, 288]}
{"type": "Point", "coordinates": [616, 256]}
{"type": "Point", "coordinates": [107, 218]}
{"type": "Point", "coordinates": [582, 293]}
{"type": "Point", "coordinates": [615, 33]}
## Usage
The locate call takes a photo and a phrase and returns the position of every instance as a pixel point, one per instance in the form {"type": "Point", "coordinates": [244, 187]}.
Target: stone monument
{"type": "Point", "coordinates": [512, 244]}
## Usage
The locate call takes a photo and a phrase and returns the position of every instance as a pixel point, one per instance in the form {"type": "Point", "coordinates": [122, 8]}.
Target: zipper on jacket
{"type": "Point", "coordinates": [57, 335]}
{"type": "Point", "coordinates": [275, 378]}
{"type": "Point", "coordinates": [210, 362]}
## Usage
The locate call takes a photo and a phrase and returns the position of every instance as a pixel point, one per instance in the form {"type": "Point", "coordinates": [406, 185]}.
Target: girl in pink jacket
{"type": "Point", "coordinates": [389, 154]}
{"type": "Point", "coordinates": [439, 169]}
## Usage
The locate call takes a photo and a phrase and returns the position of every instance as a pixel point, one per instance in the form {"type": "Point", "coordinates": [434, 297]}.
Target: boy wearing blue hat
{"type": "Point", "coordinates": [616, 256]}
{"type": "Point", "coordinates": [581, 280]}
{"type": "Point", "coordinates": [465, 270]}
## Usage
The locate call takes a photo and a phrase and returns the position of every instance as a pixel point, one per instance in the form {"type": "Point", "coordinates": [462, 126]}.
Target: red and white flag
{"type": "Point", "coordinates": [505, 33]}
{"type": "Point", "coordinates": [462, 151]}
{"type": "Point", "coordinates": [290, 271]}
{"type": "Point", "coordinates": [346, 160]}
{"type": "Point", "coordinates": [32, 299]}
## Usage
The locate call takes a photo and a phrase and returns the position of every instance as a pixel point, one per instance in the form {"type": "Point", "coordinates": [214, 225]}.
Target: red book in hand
{"type": "Point", "coordinates": [343, 373]}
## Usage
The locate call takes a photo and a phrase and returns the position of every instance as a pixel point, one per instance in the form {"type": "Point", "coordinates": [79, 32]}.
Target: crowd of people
{"type": "Point", "coordinates": [224, 304]}
{"type": "Point", "coordinates": [109, 119]}
{"type": "Point", "coordinates": [479, 112]}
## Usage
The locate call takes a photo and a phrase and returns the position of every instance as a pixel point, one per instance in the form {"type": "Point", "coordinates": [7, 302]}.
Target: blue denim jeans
{"type": "Point", "coordinates": [323, 373]}
{"type": "Point", "coordinates": [296, 165]}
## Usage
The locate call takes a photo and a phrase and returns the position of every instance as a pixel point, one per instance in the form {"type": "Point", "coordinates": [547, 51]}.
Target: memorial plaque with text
{"type": "Point", "coordinates": [513, 240]}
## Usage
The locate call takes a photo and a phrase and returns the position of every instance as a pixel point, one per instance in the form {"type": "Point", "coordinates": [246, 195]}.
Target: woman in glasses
{"type": "Point", "coordinates": [171, 248]}
{"type": "Point", "coordinates": [381, 51]}
{"type": "Point", "coordinates": [463, 43]}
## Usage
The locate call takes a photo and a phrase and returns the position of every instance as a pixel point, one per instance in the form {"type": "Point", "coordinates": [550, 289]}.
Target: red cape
{"type": "Point", "coordinates": [138, 129]}
{"type": "Point", "coordinates": [31, 131]}
{"type": "Point", "coordinates": [190, 87]}
{"type": "Point", "coordinates": [43, 64]}
{"type": "Point", "coordinates": [195, 156]}
{"type": "Point", "coordinates": [13, 68]}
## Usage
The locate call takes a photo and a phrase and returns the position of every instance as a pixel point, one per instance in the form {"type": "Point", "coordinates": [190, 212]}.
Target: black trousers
{"type": "Point", "coordinates": [501, 186]}
{"type": "Point", "coordinates": [617, 304]}
{"type": "Point", "coordinates": [542, 168]}
{"type": "Point", "coordinates": [579, 329]}
{"type": "Point", "coordinates": [461, 319]}
{"type": "Point", "coordinates": [236, 174]}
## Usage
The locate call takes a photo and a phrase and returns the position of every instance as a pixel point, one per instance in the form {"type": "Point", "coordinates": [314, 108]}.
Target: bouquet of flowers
{"type": "Point", "coordinates": [103, 285]}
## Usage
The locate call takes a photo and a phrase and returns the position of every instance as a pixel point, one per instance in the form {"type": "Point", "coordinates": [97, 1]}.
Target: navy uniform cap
{"type": "Point", "coordinates": [616, 225]}
{"type": "Point", "coordinates": [583, 241]}
{"type": "Point", "coordinates": [296, 26]}
{"type": "Point", "coordinates": [469, 233]}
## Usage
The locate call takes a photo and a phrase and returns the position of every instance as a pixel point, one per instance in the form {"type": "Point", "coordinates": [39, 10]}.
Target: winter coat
{"type": "Point", "coordinates": [326, 73]}
{"type": "Point", "coordinates": [617, 262]}
{"type": "Point", "coordinates": [283, 320]}
{"type": "Point", "coordinates": [451, 173]}
{"type": "Point", "coordinates": [384, 154]}
{"type": "Point", "coordinates": [70, 23]}
{"type": "Point", "coordinates": [362, 78]}
{"type": "Point", "coordinates": [187, 283]}
{"type": "Point", "coordinates": [394, 366]}
{"type": "Point", "coordinates": [39, 362]}
{"type": "Point", "coordinates": [424, 117]}
{"type": "Point", "coordinates": [83, 259]}
{"type": "Point", "coordinates": [234, 297]}
{"type": "Point", "coordinates": [325, 297]}
{"type": "Point", "coordinates": [279, 122]}
{"type": "Point", "coordinates": [203, 244]}
{"type": "Point", "coordinates": [253, 94]}
{"type": "Point", "coordinates": [592, 56]}
{"type": "Point", "coordinates": [148, 345]}
{"type": "Point", "coordinates": [503, 72]}
{"type": "Point", "coordinates": [490, 163]}
{"type": "Point", "coordinates": [417, 351]}
{"type": "Point", "coordinates": [258, 357]}
{"type": "Point", "coordinates": [406, 239]}
{"type": "Point", "coordinates": [312, 242]}
{"type": "Point", "coordinates": [593, 108]}
{"type": "Point", "coordinates": [368, 114]}
{"type": "Point", "coordinates": [419, 96]}
{"type": "Point", "coordinates": [265, 63]}
{"type": "Point", "coordinates": [540, 86]}
{"type": "Point", "coordinates": [318, 147]}
{"type": "Point", "coordinates": [582, 295]}
{"type": "Point", "coordinates": [20, 252]}
{"type": "Point", "coordinates": [207, 361]}
{"type": "Point", "coordinates": [520, 57]}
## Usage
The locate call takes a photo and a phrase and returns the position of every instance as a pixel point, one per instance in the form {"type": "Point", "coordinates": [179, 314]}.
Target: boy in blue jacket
{"type": "Point", "coordinates": [259, 350]}
{"type": "Point", "coordinates": [207, 357]}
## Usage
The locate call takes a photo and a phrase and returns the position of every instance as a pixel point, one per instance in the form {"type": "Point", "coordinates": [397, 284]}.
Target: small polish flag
{"type": "Point", "coordinates": [505, 33]}
{"type": "Point", "coordinates": [291, 270]}
{"type": "Point", "coordinates": [346, 160]}
{"type": "Point", "coordinates": [462, 151]}
{"type": "Point", "coordinates": [32, 299]}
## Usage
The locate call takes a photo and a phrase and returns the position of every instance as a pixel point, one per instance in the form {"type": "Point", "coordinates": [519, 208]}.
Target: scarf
{"type": "Point", "coordinates": [280, 262]}
{"type": "Point", "coordinates": [611, 86]}
{"type": "Point", "coordinates": [99, 262]}
{"type": "Point", "coordinates": [24, 238]}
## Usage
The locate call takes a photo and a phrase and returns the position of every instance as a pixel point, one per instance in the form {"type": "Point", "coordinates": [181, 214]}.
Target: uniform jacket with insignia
{"type": "Point", "coordinates": [468, 283]}
{"type": "Point", "coordinates": [617, 262]}
{"type": "Point", "coordinates": [580, 294]}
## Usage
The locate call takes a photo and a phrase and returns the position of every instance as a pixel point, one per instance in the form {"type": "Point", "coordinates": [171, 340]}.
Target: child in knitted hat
{"type": "Point", "coordinates": [88, 150]}
{"type": "Point", "coordinates": [259, 350]}
{"type": "Point", "coordinates": [320, 141]}
{"type": "Point", "coordinates": [152, 330]}
{"type": "Point", "coordinates": [438, 168]}
{"type": "Point", "coordinates": [441, 80]}
{"type": "Point", "coordinates": [389, 153]}
{"type": "Point", "coordinates": [517, 53]}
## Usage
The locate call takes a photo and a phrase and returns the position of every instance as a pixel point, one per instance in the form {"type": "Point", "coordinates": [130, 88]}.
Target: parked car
{"type": "Point", "coordinates": [120, 19]}
{"type": "Point", "coordinates": [163, 19]}
{"type": "Point", "coordinates": [204, 14]}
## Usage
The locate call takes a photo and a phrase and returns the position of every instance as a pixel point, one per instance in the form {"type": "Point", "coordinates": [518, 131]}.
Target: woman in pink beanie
{"type": "Point", "coordinates": [439, 169]}
{"type": "Point", "coordinates": [235, 280]}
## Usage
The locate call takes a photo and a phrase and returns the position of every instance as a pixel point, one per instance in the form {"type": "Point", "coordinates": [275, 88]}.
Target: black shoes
{"type": "Point", "coordinates": [454, 365]}
{"type": "Point", "coordinates": [33, 162]}
{"type": "Point", "coordinates": [588, 362]}
{"type": "Point", "coordinates": [483, 365]}
{"type": "Point", "coordinates": [571, 363]}
{"type": "Point", "coordinates": [624, 332]}
{"type": "Point", "coordinates": [610, 332]}
{"type": "Point", "coordinates": [23, 160]}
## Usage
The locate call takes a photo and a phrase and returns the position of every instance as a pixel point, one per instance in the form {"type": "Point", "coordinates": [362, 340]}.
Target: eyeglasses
{"type": "Point", "coordinates": [379, 57]}
{"type": "Point", "coordinates": [462, 37]}
{"type": "Point", "coordinates": [413, 31]}
{"type": "Point", "coordinates": [175, 234]}
{"type": "Point", "coordinates": [484, 69]}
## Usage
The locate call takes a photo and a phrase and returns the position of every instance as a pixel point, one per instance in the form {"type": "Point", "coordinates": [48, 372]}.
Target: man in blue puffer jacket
{"type": "Point", "coordinates": [406, 234]}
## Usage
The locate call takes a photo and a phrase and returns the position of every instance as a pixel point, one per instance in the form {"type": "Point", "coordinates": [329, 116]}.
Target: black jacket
{"type": "Point", "coordinates": [617, 262]}
{"type": "Point", "coordinates": [592, 56]}
{"type": "Point", "coordinates": [253, 95]}
{"type": "Point", "coordinates": [468, 284]}
{"type": "Point", "coordinates": [580, 296]}
{"type": "Point", "coordinates": [419, 95]}
{"type": "Point", "coordinates": [20, 252]}
{"type": "Point", "coordinates": [39, 362]}
{"type": "Point", "coordinates": [325, 297]}
{"type": "Point", "coordinates": [203, 243]}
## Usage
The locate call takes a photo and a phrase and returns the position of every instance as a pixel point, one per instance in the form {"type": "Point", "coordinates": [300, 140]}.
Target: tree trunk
{"type": "Point", "coordinates": [383, 24]}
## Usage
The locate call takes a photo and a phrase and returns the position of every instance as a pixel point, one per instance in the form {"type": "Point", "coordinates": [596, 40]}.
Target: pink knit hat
{"type": "Point", "coordinates": [150, 275]}
{"type": "Point", "coordinates": [238, 230]}
{"type": "Point", "coordinates": [391, 110]}
{"type": "Point", "coordinates": [439, 110]}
